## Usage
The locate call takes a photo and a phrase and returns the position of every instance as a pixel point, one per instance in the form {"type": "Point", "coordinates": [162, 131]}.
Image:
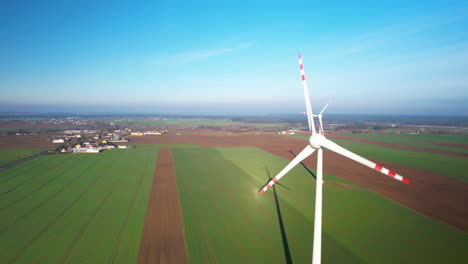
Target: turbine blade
{"type": "Point", "coordinates": [321, 125]}
{"type": "Point", "coordinates": [310, 117]}
{"type": "Point", "coordinates": [325, 107]}
{"type": "Point", "coordinates": [344, 152]}
{"type": "Point", "coordinates": [306, 152]}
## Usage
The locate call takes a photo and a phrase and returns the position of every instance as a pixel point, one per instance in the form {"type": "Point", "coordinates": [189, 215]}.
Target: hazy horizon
{"type": "Point", "coordinates": [204, 57]}
{"type": "Point", "coordinates": [215, 110]}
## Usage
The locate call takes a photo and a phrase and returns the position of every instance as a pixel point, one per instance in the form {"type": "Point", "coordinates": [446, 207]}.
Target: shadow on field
{"type": "Point", "coordinates": [305, 167]}
{"type": "Point", "coordinates": [287, 253]}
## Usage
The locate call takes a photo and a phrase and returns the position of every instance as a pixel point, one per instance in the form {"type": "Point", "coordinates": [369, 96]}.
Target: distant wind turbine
{"type": "Point", "coordinates": [316, 142]}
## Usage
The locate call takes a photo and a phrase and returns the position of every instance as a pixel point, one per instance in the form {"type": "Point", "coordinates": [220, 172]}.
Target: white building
{"type": "Point", "coordinates": [60, 140]}
{"type": "Point", "coordinates": [85, 150]}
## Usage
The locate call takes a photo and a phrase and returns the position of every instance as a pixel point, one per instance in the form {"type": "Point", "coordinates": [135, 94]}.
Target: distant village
{"type": "Point", "coordinates": [95, 141]}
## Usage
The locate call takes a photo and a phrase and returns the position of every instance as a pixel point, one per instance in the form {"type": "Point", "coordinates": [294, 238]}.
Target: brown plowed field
{"type": "Point", "coordinates": [434, 195]}
{"type": "Point", "coordinates": [24, 142]}
{"type": "Point", "coordinates": [403, 147]}
{"type": "Point", "coordinates": [163, 239]}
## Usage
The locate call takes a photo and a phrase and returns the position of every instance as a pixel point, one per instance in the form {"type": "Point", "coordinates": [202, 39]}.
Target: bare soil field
{"type": "Point", "coordinates": [163, 238]}
{"type": "Point", "coordinates": [24, 142]}
{"type": "Point", "coordinates": [433, 195]}
{"type": "Point", "coordinates": [403, 147]}
{"type": "Point", "coordinates": [25, 124]}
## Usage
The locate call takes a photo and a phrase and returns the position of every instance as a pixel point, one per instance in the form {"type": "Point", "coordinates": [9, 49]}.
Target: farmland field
{"type": "Point", "coordinates": [227, 221]}
{"type": "Point", "coordinates": [84, 208]}
{"type": "Point", "coordinates": [90, 208]}
{"type": "Point", "coordinates": [179, 122]}
{"type": "Point", "coordinates": [450, 166]}
{"type": "Point", "coordinates": [431, 141]}
{"type": "Point", "coordinates": [8, 156]}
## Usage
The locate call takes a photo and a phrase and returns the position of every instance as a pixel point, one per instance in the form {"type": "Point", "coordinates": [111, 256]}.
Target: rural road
{"type": "Point", "coordinates": [23, 160]}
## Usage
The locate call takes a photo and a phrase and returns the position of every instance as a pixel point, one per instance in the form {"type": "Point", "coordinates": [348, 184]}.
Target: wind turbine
{"type": "Point", "coordinates": [316, 142]}
{"type": "Point", "coordinates": [320, 116]}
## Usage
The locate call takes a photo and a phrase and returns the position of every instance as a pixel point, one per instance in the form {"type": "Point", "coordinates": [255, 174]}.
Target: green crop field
{"type": "Point", "coordinates": [8, 156]}
{"type": "Point", "coordinates": [454, 167]}
{"type": "Point", "coordinates": [90, 208]}
{"type": "Point", "coordinates": [430, 141]}
{"type": "Point", "coordinates": [227, 221]}
{"type": "Point", "coordinates": [179, 122]}
{"type": "Point", "coordinates": [82, 208]}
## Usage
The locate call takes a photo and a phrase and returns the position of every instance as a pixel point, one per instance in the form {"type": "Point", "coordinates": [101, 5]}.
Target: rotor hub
{"type": "Point", "coordinates": [316, 140]}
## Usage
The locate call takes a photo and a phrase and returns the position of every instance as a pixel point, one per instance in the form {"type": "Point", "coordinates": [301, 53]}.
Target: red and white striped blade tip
{"type": "Point", "coordinates": [268, 185]}
{"type": "Point", "coordinates": [300, 56]}
{"type": "Point", "coordinates": [391, 174]}
{"type": "Point", "coordinates": [406, 181]}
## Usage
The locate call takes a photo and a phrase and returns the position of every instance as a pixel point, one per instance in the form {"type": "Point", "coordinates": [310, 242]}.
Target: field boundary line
{"type": "Point", "coordinates": [115, 251]}
{"type": "Point", "coordinates": [187, 253]}
{"type": "Point", "coordinates": [197, 222]}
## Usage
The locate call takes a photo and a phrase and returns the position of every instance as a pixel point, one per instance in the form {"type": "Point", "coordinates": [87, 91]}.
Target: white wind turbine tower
{"type": "Point", "coordinates": [316, 142]}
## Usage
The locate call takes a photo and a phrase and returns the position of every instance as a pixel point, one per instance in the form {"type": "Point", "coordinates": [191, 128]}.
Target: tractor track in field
{"type": "Point", "coordinates": [19, 184]}
{"type": "Point", "coordinates": [200, 239]}
{"type": "Point", "coordinates": [19, 171]}
{"type": "Point", "coordinates": [53, 221]}
{"type": "Point", "coordinates": [231, 230]}
{"type": "Point", "coordinates": [163, 235]}
{"type": "Point", "coordinates": [209, 256]}
{"type": "Point", "coordinates": [90, 219]}
{"type": "Point", "coordinates": [226, 190]}
{"type": "Point", "coordinates": [61, 173]}
{"type": "Point", "coordinates": [19, 253]}
{"type": "Point", "coordinates": [115, 251]}
{"type": "Point", "coordinates": [18, 162]}
{"type": "Point", "coordinates": [64, 187]}
{"type": "Point", "coordinates": [13, 173]}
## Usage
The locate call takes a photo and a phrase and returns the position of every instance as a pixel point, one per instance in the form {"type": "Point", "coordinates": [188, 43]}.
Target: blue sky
{"type": "Point", "coordinates": [395, 57]}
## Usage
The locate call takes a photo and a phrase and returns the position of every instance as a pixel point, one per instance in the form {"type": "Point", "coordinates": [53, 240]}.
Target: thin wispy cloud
{"type": "Point", "coordinates": [187, 57]}
{"type": "Point", "coordinates": [400, 31]}
{"type": "Point", "coordinates": [202, 80]}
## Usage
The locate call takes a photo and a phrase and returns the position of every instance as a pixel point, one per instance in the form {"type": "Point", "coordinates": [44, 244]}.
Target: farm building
{"type": "Point", "coordinates": [118, 140]}
{"type": "Point", "coordinates": [60, 140]}
{"type": "Point", "coordinates": [85, 150]}
{"type": "Point", "coordinates": [125, 147]}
